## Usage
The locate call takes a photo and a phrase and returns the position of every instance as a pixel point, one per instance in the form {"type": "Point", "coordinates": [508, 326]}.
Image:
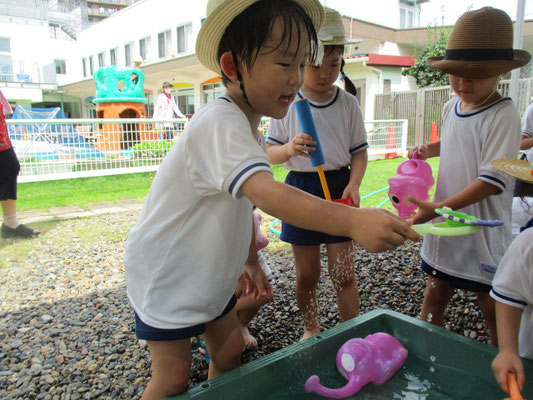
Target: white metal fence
{"type": "Point", "coordinates": [73, 148]}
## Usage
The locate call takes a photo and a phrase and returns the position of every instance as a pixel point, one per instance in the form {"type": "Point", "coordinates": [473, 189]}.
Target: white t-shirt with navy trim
{"type": "Point", "coordinates": [513, 285]}
{"type": "Point", "coordinates": [527, 122]}
{"type": "Point", "coordinates": [340, 127]}
{"type": "Point", "coordinates": [469, 142]}
{"type": "Point", "coordinates": [186, 253]}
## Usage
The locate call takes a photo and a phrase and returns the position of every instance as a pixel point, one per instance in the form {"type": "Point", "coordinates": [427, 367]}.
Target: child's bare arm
{"type": "Point", "coordinates": [357, 171]}
{"type": "Point", "coordinates": [257, 285]}
{"type": "Point", "coordinates": [300, 145]}
{"type": "Point", "coordinates": [473, 193]}
{"type": "Point", "coordinates": [425, 151]}
{"type": "Point", "coordinates": [507, 360]}
{"type": "Point", "coordinates": [375, 230]}
{"type": "Point", "coordinates": [526, 143]}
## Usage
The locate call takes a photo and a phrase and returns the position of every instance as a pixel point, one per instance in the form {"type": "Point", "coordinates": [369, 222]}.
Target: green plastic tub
{"type": "Point", "coordinates": [440, 365]}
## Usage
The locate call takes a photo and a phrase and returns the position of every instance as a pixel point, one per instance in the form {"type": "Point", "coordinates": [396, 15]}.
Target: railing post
{"type": "Point", "coordinates": [419, 119]}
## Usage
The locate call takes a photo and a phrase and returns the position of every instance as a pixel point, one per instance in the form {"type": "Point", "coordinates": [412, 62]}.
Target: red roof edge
{"type": "Point", "coordinates": [390, 61]}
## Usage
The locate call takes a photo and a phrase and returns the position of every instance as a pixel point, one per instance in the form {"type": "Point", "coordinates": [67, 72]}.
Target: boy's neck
{"type": "Point", "coordinates": [464, 106]}
{"type": "Point", "coordinates": [317, 97]}
{"type": "Point", "coordinates": [253, 117]}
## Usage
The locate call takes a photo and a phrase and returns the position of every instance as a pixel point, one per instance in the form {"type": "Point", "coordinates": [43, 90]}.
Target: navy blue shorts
{"type": "Point", "coordinates": [310, 182]}
{"type": "Point", "coordinates": [146, 332]}
{"type": "Point", "coordinates": [456, 283]}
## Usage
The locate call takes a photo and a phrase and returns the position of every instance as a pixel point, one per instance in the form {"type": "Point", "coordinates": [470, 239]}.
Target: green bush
{"type": "Point", "coordinates": [153, 149]}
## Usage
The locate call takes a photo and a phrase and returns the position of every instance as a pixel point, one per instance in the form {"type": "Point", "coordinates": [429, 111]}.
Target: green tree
{"type": "Point", "coordinates": [421, 71]}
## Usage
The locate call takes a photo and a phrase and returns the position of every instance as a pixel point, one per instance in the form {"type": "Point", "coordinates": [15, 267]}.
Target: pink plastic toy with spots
{"type": "Point", "coordinates": [413, 177]}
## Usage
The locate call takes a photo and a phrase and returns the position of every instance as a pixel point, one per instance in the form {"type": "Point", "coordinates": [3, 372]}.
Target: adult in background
{"type": "Point", "coordinates": [9, 170]}
{"type": "Point", "coordinates": [165, 108]}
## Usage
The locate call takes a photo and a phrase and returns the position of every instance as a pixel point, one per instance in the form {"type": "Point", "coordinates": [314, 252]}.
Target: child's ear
{"type": "Point", "coordinates": [228, 66]}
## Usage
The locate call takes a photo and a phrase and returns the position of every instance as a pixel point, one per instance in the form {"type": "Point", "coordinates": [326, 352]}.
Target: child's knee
{"type": "Point", "coordinates": [307, 279]}
{"type": "Point", "coordinates": [229, 356]}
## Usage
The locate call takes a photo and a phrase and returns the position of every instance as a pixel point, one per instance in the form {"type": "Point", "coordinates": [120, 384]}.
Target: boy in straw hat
{"type": "Point", "coordinates": [194, 234]}
{"type": "Point", "coordinates": [512, 288]}
{"type": "Point", "coordinates": [344, 142]}
{"type": "Point", "coordinates": [478, 126]}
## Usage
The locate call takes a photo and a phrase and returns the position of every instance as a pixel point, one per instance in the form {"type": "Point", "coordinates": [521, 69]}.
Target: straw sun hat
{"type": "Point", "coordinates": [220, 13]}
{"type": "Point", "coordinates": [481, 46]}
{"type": "Point", "coordinates": [332, 30]}
{"type": "Point", "coordinates": [520, 169]}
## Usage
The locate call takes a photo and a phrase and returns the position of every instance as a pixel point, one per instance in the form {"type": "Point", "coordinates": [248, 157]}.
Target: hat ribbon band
{"type": "Point", "coordinates": [479, 54]}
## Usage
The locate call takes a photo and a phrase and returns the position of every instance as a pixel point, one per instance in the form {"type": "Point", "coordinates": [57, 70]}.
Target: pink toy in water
{"type": "Point", "coordinates": [413, 177]}
{"type": "Point", "coordinates": [373, 359]}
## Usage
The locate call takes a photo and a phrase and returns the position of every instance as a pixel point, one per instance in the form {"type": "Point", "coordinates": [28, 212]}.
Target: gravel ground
{"type": "Point", "coordinates": [67, 332]}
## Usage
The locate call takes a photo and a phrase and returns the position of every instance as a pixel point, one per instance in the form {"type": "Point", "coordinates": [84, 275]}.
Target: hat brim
{"type": "Point", "coordinates": [340, 42]}
{"type": "Point", "coordinates": [215, 25]}
{"type": "Point", "coordinates": [479, 69]}
{"type": "Point", "coordinates": [520, 169]}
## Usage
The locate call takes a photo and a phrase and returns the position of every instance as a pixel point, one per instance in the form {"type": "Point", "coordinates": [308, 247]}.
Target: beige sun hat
{"type": "Point", "coordinates": [332, 31]}
{"type": "Point", "coordinates": [481, 46]}
{"type": "Point", "coordinates": [520, 169]}
{"type": "Point", "coordinates": [220, 13]}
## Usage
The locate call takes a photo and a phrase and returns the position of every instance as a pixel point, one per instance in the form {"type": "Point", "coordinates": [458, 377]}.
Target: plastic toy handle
{"type": "Point", "coordinates": [514, 390]}
{"type": "Point", "coordinates": [444, 229]}
{"type": "Point", "coordinates": [308, 126]}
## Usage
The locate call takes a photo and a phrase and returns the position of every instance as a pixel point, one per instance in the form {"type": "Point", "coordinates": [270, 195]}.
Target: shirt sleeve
{"type": "Point", "coordinates": [513, 281]}
{"type": "Point", "coordinates": [277, 132]}
{"type": "Point", "coordinates": [222, 153]}
{"type": "Point", "coordinates": [358, 136]}
{"type": "Point", "coordinates": [527, 122]}
{"type": "Point", "coordinates": [502, 139]}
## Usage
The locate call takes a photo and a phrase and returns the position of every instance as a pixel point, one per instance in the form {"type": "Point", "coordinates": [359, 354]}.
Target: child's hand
{"type": "Point", "coordinates": [378, 230]}
{"type": "Point", "coordinates": [425, 213]}
{"type": "Point", "coordinates": [257, 284]}
{"type": "Point", "coordinates": [422, 152]}
{"type": "Point", "coordinates": [505, 362]}
{"type": "Point", "coordinates": [352, 192]}
{"type": "Point", "coordinates": [301, 145]}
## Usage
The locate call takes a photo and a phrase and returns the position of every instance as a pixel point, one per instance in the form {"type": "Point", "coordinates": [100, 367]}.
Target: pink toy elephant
{"type": "Point", "coordinates": [261, 241]}
{"type": "Point", "coordinates": [413, 177]}
{"type": "Point", "coordinates": [373, 359]}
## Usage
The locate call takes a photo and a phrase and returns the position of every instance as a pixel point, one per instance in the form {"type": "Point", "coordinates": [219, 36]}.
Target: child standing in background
{"type": "Point", "coordinates": [478, 126]}
{"type": "Point", "coordinates": [343, 138]}
{"type": "Point", "coordinates": [512, 288]}
{"type": "Point", "coordinates": [194, 234]}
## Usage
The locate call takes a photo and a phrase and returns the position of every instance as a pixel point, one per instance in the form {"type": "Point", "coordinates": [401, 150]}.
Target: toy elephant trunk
{"type": "Point", "coordinates": [355, 363]}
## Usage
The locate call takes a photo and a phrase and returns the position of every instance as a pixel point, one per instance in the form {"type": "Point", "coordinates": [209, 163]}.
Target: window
{"type": "Point", "coordinates": [101, 60]}
{"type": "Point", "coordinates": [6, 65]}
{"type": "Point", "coordinates": [185, 100]}
{"type": "Point", "coordinates": [184, 38]}
{"type": "Point", "coordinates": [127, 53]}
{"type": "Point", "coordinates": [163, 40]}
{"type": "Point", "coordinates": [407, 16]}
{"type": "Point", "coordinates": [84, 66]}
{"type": "Point", "coordinates": [61, 67]}
{"type": "Point", "coordinates": [91, 67]}
{"type": "Point", "coordinates": [144, 48]}
{"type": "Point", "coordinates": [212, 91]}
{"type": "Point", "coordinates": [113, 56]}
{"type": "Point", "coordinates": [387, 86]}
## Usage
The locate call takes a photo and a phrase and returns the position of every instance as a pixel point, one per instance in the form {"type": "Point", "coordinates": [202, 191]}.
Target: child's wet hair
{"type": "Point", "coordinates": [248, 32]}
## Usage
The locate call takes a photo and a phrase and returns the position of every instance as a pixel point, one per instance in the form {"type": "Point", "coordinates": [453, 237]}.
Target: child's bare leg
{"type": "Point", "coordinates": [247, 308]}
{"type": "Point", "coordinates": [342, 271]}
{"type": "Point", "coordinates": [436, 298]}
{"type": "Point", "coordinates": [488, 308]}
{"type": "Point", "coordinates": [225, 344]}
{"type": "Point", "coordinates": [307, 262]}
{"type": "Point", "coordinates": [171, 364]}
